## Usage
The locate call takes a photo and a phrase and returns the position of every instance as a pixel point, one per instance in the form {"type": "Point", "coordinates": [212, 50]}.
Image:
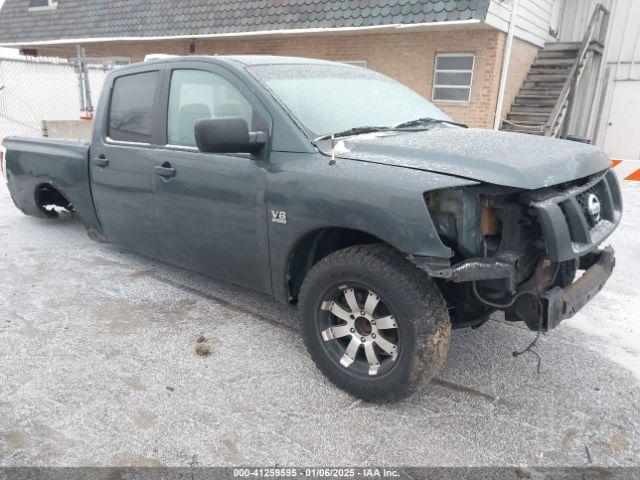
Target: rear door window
{"type": "Point", "coordinates": [131, 107]}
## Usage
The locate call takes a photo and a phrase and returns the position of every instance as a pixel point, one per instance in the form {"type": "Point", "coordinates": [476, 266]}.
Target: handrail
{"type": "Point", "coordinates": [553, 125]}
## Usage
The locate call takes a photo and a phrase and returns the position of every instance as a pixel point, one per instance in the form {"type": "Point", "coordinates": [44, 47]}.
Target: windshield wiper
{"type": "Point", "coordinates": [427, 121]}
{"type": "Point", "coordinates": [346, 133]}
{"type": "Point", "coordinates": [371, 129]}
{"type": "Point", "coordinates": [353, 131]}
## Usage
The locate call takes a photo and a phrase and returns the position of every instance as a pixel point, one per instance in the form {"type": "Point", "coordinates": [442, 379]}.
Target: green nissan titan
{"type": "Point", "coordinates": [338, 191]}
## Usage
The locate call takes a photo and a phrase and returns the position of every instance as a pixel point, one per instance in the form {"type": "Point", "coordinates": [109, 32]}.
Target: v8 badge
{"type": "Point", "coordinates": [278, 216]}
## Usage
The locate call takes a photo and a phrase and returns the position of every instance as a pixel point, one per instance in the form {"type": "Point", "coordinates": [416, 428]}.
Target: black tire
{"type": "Point", "coordinates": [422, 329]}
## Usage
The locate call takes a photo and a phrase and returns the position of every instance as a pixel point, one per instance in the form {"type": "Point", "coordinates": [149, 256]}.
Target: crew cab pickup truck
{"type": "Point", "coordinates": [340, 191]}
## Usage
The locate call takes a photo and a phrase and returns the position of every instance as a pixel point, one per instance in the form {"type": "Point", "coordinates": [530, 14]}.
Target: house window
{"type": "Point", "coordinates": [42, 4]}
{"type": "Point", "coordinates": [453, 77]}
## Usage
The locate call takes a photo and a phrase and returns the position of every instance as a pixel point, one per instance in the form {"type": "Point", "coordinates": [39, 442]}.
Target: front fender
{"type": "Point", "coordinates": [384, 201]}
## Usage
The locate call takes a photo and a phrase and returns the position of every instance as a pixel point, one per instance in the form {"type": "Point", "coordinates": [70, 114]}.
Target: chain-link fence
{"type": "Point", "coordinates": [33, 90]}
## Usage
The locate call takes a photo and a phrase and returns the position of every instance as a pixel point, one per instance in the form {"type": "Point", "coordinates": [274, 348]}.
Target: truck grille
{"type": "Point", "coordinates": [577, 218]}
{"type": "Point", "coordinates": [591, 202]}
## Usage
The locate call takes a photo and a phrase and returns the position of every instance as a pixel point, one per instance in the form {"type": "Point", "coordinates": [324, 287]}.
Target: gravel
{"type": "Point", "coordinates": [99, 368]}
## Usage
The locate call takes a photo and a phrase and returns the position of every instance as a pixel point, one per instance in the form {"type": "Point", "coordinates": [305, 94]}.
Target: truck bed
{"type": "Point", "coordinates": [36, 163]}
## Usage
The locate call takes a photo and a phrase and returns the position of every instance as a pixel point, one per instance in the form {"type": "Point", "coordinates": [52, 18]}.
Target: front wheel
{"type": "Point", "coordinates": [375, 325]}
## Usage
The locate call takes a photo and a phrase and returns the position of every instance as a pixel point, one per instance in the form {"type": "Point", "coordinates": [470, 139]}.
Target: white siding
{"type": "Point", "coordinates": [622, 88]}
{"type": "Point", "coordinates": [534, 18]}
{"type": "Point", "coordinates": [624, 26]}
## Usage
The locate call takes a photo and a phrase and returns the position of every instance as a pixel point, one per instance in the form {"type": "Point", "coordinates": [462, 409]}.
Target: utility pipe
{"type": "Point", "coordinates": [633, 54]}
{"type": "Point", "coordinates": [624, 36]}
{"type": "Point", "coordinates": [505, 64]}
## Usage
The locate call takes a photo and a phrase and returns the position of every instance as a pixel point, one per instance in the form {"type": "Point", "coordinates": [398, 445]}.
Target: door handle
{"type": "Point", "coordinates": [100, 161]}
{"type": "Point", "coordinates": [166, 172]}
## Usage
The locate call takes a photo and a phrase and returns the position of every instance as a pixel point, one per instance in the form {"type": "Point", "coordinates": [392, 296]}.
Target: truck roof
{"type": "Point", "coordinates": [247, 60]}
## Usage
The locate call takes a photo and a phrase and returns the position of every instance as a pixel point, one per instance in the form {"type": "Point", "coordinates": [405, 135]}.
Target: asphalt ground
{"type": "Point", "coordinates": [98, 367]}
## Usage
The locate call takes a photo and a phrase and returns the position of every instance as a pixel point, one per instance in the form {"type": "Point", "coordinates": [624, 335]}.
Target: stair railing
{"type": "Point", "coordinates": [596, 32]}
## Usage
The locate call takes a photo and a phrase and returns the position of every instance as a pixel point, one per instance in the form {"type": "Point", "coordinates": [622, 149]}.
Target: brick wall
{"type": "Point", "coordinates": [407, 57]}
{"type": "Point", "coordinates": [522, 56]}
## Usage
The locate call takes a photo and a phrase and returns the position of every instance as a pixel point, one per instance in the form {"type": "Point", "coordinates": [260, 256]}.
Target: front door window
{"type": "Point", "coordinates": [195, 95]}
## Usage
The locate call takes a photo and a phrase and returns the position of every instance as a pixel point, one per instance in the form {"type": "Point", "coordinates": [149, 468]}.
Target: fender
{"type": "Point", "coordinates": [384, 201]}
{"type": "Point", "coordinates": [63, 164]}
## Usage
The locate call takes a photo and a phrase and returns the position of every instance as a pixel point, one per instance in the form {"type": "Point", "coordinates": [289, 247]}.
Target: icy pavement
{"type": "Point", "coordinates": [98, 367]}
{"type": "Point", "coordinates": [614, 318]}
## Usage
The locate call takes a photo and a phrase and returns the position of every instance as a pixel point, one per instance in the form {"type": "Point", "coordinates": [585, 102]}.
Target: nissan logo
{"type": "Point", "coordinates": [593, 207]}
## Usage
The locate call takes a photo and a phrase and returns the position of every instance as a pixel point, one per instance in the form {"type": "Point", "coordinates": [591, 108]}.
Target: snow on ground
{"type": "Point", "coordinates": [97, 347]}
{"type": "Point", "coordinates": [615, 317]}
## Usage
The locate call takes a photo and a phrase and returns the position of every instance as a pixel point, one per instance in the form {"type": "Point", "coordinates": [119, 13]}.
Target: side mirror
{"type": "Point", "coordinates": [228, 135]}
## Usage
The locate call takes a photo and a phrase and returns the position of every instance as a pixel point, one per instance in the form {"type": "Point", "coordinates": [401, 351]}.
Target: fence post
{"type": "Point", "coordinates": [80, 82]}
{"type": "Point", "coordinates": [86, 107]}
{"type": "Point", "coordinates": [87, 86]}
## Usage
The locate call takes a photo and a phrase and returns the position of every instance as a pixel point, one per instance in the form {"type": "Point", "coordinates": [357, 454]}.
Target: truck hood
{"type": "Point", "coordinates": [501, 158]}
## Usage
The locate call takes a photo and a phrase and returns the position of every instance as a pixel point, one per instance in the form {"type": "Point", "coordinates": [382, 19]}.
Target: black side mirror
{"type": "Point", "coordinates": [228, 135]}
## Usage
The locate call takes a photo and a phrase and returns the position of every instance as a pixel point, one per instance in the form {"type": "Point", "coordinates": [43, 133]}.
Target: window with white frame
{"type": "Point", "coordinates": [453, 77]}
{"type": "Point", "coordinates": [42, 4]}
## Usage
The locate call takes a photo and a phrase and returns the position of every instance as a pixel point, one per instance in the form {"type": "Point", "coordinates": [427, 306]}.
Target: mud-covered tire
{"type": "Point", "coordinates": [422, 329]}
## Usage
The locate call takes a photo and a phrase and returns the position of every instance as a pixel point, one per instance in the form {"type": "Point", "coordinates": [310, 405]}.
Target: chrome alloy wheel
{"type": "Point", "coordinates": [359, 330]}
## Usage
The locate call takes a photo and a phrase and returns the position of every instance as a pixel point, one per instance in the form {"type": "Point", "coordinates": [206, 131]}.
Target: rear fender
{"type": "Point", "coordinates": [32, 162]}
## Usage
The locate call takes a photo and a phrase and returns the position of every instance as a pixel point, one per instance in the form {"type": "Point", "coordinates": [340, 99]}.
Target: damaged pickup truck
{"type": "Point", "coordinates": [339, 190]}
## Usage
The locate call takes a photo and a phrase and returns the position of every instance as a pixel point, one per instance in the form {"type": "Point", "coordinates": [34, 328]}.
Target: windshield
{"type": "Point", "coordinates": [330, 98]}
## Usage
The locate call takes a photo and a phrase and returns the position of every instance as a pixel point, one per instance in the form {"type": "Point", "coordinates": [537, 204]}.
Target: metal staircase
{"type": "Point", "coordinates": [548, 97]}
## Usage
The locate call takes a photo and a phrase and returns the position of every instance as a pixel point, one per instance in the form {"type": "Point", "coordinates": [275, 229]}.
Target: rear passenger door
{"type": "Point", "coordinates": [211, 207]}
{"type": "Point", "coordinates": [122, 162]}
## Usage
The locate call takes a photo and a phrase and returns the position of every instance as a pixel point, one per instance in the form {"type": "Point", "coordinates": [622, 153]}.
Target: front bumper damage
{"type": "Point", "coordinates": [562, 303]}
{"type": "Point", "coordinates": [545, 305]}
{"type": "Point", "coordinates": [543, 232]}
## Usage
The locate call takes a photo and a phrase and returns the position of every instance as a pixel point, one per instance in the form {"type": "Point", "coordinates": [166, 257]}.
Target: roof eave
{"type": "Point", "coordinates": [397, 27]}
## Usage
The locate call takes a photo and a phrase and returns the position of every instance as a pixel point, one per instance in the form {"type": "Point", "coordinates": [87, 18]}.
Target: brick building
{"type": "Point", "coordinates": [450, 51]}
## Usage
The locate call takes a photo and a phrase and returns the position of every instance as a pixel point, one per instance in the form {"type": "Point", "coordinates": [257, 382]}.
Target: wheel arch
{"type": "Point", "coordinates": [49, 193]}
{"type": "Point", "coordinates": [316, 244]}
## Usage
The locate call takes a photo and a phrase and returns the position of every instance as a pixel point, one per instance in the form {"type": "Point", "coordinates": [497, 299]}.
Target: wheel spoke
{"type": "Point", "coordinates": [372, 358]}
{"type": "Point", "coordinates": [386, 322]}
{"type": "Point", "coordinates": [386, 345]}
{"type": "Point", "coordinates": [350, 354]}
{"type": "Point", "coordinates": [371, 303]}
{"type": "Point", "coordinates": [337, 310]}
{"type": "Point", "coordinates": [336, 332]}
{"type": "Point", "coordinates": [350, 296]}
{"type": "Point", "coordinates": [353, 310]}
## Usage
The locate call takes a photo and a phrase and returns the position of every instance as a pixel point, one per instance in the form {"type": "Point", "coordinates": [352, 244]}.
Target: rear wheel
{"type": "Point", "coordinates": [376, 325]}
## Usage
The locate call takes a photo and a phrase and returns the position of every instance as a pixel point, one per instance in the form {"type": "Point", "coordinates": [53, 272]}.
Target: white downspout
{"type": "Point", "coordinates": [633, 55]}
{"type": "Point", "coordinates": [505, 64]}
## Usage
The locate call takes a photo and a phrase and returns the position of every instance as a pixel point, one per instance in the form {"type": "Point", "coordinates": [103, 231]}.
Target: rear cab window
{"type": "Point", "coordinates": [131, 107]}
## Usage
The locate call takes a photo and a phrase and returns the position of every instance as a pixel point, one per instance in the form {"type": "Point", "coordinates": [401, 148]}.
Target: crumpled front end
{"type": "Point", "coordinates": [519, 251]}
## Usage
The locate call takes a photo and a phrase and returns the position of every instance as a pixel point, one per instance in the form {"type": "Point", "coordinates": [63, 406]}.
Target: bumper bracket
{"type": "Point", "coordinates": [562, 303]}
